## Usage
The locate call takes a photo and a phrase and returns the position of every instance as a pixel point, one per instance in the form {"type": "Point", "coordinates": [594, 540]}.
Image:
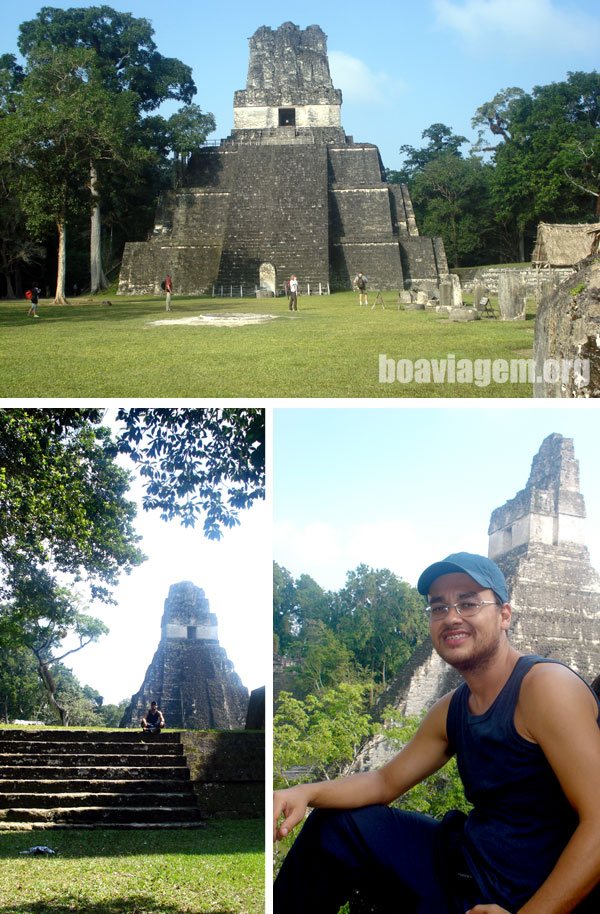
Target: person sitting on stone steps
{"type": "Point", "coordinates": [153, 720]}
{"type": "Point", "coordinates": [525, 731]}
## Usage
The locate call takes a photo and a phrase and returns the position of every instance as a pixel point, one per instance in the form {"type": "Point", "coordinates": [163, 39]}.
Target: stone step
{"type": "Point", "coordinates": [85, 785]}
{"type": "Point", "coordinates": [66, 734]}
{"type": "Point", "coordinates": [23, 800]}
{"type": "Point", "coordinates": [76, 760]}
{"type": "Point", "coordinates": [99, 815]}
{"type": "Point", "coordinates": [91, 771]}
{"type": "Point", "coordinates": [94, 779]}
{"type": "Point", "coordinates": [32, 826]}
{"type": "Point", "coordinates": [146, 749]}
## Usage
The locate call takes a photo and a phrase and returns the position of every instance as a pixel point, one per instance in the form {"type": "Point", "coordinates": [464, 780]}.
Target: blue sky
{"type": "Point", "coordinates": [401, 487]}
{"type": "Point", "coordinates": [401, 66]}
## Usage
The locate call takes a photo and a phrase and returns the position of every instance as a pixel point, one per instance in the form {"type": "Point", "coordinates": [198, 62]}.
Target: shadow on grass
{"type": "Point", "coordinates": [120, 311]}
{"type": "Point", "coordinates": [219, 837]}
{"type": "Point", "coordinates": [131, 904]}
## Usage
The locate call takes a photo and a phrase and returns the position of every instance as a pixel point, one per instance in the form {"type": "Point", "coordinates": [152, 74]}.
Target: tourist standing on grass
{"type": "Point", "coordinates": [360, 283]}
{"type": "Point", "coordinates": [33, 297]}
{"type": "Point", "coordinates": [293, 286]}
{"type": "Point", "coordinates": [526, 736]}
{"type": "Point", "coordinates": [169, 291]}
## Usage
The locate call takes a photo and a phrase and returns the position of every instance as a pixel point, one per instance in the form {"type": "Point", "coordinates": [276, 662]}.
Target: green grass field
{"type": "Point", "coordinates": [218, 869]}
{"type": "Point", "coordinates": [329, 348]}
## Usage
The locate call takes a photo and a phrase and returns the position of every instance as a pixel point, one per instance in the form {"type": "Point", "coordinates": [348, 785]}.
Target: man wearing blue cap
{"type": "Point", "coordinates": [526, 734]}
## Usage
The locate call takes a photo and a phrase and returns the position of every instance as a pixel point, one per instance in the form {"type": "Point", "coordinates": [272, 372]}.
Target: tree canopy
{"type": "Point", "coordinates": [102, 151]}
{"type": "Point", "coordinates": [537, 158]}
{"type": "Point", "coordinates": [198, 462]}
{"type": "Point", "coordinates": [362, 633]}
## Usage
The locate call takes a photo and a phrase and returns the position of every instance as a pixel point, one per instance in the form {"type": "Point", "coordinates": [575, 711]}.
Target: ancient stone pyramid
{"type": "Point", "coordinates": [190, 676]}
{"type": "Point", "coordinates": [287, 192]}
{"type": "Point", "coordinates": [538, 540]}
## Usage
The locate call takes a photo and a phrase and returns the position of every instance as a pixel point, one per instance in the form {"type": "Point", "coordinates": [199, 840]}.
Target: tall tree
{"type": "Point", "coordinates": [380, 619]}
{"type": "Point", "coordinates": [64, 517]}
{"type": "Point", "coordinates": [63, 119]}
{"type": "Point", "coordinates": [450, 193]}
{"type": "Point", "coordinates": [452, 197]}
{"type": "Point", "coordinates": [46, 618]}
{"type": "Point", "coordinates": [21, 694]}
{"type": "Point", "coordinates": [16, 248]}
{"type": "Point", "coordinates": [187, 129]}
{"type": "Point", "coordinates": [547, 162]}
{"type": "Point", "coordinates": [127, 60]}
{"type": "Point", "coordinates": [285, 617]}
{"type": "Point", "coordinates": [441, 141]}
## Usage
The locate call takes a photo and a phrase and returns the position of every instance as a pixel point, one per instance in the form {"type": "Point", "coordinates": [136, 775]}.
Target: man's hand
{"type": "Point", "coordinates": [289, 808]}
{"type": "Point", "coordinates": [487, 909]}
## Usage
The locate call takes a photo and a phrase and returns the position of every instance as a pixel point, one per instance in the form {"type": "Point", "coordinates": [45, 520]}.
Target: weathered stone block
{"type": "Point", "coordinates": [464, 314]}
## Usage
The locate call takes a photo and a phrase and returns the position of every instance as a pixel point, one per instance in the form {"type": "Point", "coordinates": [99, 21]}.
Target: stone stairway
{"type": "Point", "coordinates": [107, 779]}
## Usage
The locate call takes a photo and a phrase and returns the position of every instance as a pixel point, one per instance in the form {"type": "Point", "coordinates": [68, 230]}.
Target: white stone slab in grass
{"type": "Point", "coordinates": [215, 320]}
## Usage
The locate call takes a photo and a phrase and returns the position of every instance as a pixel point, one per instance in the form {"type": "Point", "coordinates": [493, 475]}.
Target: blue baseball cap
{"type": "Point", "coordinates": [481, 569]}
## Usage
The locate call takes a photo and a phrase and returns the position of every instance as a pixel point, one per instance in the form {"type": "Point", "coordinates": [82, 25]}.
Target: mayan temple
{"type": "Point", "coordinates": [538, 540]}
{"type": "Point", "coordinates": [190, 676]}
{"type": "Point", "coordinates": [287, 192]}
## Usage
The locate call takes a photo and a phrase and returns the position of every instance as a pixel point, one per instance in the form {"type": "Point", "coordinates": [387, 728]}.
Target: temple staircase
{"type": "Point", "coordinates": [94, 778]}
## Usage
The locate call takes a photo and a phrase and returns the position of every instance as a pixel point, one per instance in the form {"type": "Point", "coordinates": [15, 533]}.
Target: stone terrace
{"type": "Point", "coordinates": [60, 778]}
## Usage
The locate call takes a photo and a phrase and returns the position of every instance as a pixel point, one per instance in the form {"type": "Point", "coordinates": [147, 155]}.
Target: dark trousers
{"type": "Point", "coordinates": [389, 856]}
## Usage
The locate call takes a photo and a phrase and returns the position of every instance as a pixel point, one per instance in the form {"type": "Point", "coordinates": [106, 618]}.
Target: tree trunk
{"type": "Point", "coordinates": [50, 686]}
{"type": "Point", "coordinates": [18, 281]}
{"type": "Point", "coordinates": [10, 292]}
{"type": "Point", "coordinates": [59, 298]}
{"type": "Point", "coordinates": [98, 281]}
{"type": "Point", "coordinates": [521, 244]}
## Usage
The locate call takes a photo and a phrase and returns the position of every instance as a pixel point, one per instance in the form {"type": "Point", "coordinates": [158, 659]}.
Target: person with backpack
{"type": "Point", "coordinates": [360, 283]}
{"type": "Point", "coordinates": [168, 287]}
{"type": "Point", "coordinates": [33, 296]}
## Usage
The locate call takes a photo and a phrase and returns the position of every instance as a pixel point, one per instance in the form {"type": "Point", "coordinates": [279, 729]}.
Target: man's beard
{"type": "Point", "coordinates": [478, 660]}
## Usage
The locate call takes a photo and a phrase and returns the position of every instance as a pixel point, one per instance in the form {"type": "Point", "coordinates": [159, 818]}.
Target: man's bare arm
{"type": "Point", "coordinates": [425, 753]}
{"type": "Point", "coordinates": [559, 712]}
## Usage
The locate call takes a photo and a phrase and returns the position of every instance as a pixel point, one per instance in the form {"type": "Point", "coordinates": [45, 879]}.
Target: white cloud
{"type": "Point", "coordinates": [519, 25]}
{"type": "Point", "coordinates": [359, 84]}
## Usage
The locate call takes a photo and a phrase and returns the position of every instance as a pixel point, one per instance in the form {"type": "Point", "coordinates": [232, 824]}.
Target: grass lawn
{"type": "Point", "coordinates": [218, 869]}
{"type": "Point", "coordinates": [329, 348]}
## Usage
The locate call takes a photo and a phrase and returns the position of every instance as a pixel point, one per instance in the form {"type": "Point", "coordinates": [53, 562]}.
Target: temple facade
{"type": "Point", "coordinates": [288, 192]}
{"type": "Point", "coordinates": [190, 677]}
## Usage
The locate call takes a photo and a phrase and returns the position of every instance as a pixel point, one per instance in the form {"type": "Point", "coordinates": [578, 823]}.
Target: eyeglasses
{"type": "Point", "coordinates": [466, 608]}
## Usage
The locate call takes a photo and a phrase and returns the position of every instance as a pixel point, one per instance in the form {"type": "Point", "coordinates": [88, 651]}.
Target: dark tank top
{"type": "Point", "coordinates": [521, 820]}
